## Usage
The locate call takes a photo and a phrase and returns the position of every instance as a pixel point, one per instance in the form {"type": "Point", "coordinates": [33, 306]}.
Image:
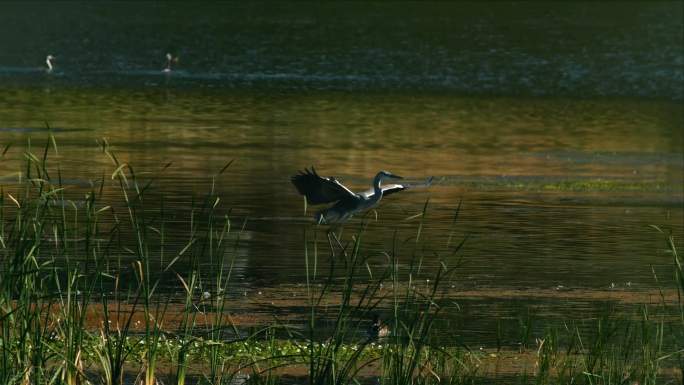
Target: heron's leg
{"type": "Point", "coordinates": [334, 237]}
{"type": "Point", "coordinates": [329, 233]}
{"type": "Point", "coordinates": [343, 249]}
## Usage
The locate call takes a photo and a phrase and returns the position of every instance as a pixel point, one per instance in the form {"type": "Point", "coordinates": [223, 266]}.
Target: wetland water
{"type": "Point", "coordinates": [563, 148]}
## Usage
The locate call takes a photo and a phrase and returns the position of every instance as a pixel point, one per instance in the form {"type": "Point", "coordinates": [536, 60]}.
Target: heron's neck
{"type": "Point", "coordinates": [376, 186]}
{"type": "Point", "coordinates": [47, 61]}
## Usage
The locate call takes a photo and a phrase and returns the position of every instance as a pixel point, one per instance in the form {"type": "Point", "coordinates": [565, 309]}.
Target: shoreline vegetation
{"type": "Point", "coordinates": [81, 302]}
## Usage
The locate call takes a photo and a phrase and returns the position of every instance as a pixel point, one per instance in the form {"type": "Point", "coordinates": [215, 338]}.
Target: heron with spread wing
{"type": "Point", "coordinates": [320, 190]}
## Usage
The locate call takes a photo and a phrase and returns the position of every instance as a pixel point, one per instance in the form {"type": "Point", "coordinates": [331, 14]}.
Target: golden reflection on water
{"type": "Point", "coordinates": [555, 191]}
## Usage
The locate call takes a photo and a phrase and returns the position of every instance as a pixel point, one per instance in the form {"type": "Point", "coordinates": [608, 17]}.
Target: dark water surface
{"type": "Point", "coordinates": [558, 191]}
{"type": "Point", "coordinates": [487, 48]}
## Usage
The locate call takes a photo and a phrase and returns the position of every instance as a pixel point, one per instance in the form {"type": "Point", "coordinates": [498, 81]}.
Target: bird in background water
{"type": "Point", "coordinates": [169, 60]}
{"type": "Point", "coordinates": [48, 62]}
{"type": "Point", "coordinates": [378, 329]}
{"type": "Point", "coordinates": [321, 190]}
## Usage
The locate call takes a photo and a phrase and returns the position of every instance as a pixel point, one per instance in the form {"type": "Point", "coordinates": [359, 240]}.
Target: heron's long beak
{"type": "Point", "coordinates": [395, 176]}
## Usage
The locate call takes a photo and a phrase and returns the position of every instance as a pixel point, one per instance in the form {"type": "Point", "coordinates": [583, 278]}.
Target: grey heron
{"type": "Point", "coordinates": [320, 190]}
{"type": "Point", "coordinates": [48, 62]}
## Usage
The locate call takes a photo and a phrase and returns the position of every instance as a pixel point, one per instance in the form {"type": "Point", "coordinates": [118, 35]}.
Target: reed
{"type": "Point", "coordinates": [66, 261]}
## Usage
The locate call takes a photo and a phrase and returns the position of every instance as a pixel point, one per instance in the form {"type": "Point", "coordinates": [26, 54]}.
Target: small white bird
{"type": "Point", "coordinates": [169, 59]}
{"type": "Point", "coordinates": [48, 62]}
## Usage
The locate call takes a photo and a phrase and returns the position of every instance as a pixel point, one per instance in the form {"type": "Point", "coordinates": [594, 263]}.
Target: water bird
{"type": "Point", "coordinates": [378, 329]}
{"type": "Point", "coordinates": [169, 59]}
{"type": "Point", "coordinates": [320, 190]}
{"type": "Point", "coordinates": [48, 62]}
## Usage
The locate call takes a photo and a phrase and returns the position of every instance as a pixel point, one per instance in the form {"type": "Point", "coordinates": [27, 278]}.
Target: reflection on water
{"type": "Point", "coordinates": [557, 192]}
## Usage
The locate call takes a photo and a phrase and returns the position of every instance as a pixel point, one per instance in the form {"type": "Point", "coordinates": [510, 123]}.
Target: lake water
{"type": "Point", "coordinates": [561, 136]}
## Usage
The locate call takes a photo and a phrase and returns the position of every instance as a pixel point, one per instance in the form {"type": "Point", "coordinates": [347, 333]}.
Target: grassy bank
{"type": "Point", "coordinates": [85, 299]}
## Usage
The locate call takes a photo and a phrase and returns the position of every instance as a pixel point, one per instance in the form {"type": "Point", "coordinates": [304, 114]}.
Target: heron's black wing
{"type": "Point", "coordinates": [318, 189]}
